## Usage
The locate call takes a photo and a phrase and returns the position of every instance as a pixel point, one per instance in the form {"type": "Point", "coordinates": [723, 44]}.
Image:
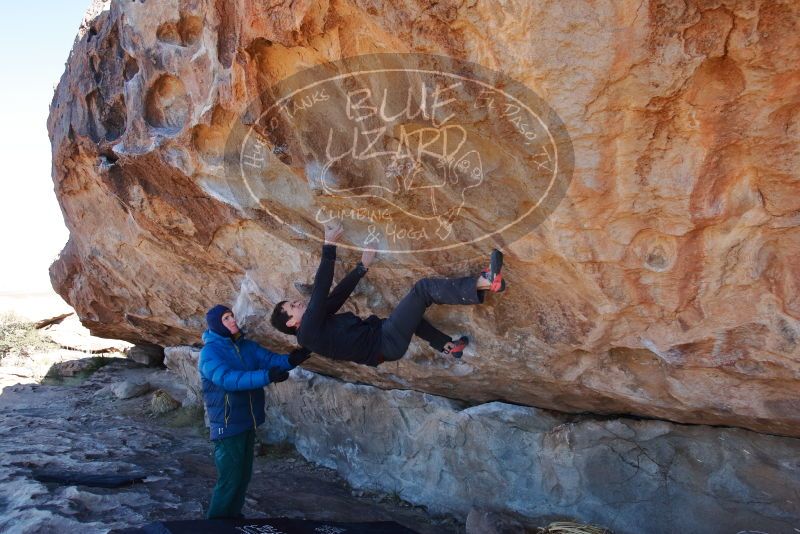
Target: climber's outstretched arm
{"type": "Point", "coordinates": [316, 312]}
{"type": "Point", "coordinates": [344, 288]}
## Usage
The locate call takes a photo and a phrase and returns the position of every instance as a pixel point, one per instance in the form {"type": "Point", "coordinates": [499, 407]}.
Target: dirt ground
{"type": "Point", "coordinates": [77, 425]}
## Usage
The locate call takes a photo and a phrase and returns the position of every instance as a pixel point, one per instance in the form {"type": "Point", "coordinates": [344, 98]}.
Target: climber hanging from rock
{"type": "Point", "coordinates": [371, 341]}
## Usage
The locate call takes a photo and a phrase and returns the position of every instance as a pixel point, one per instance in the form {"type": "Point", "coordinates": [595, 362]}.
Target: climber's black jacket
{"type": "Point", "coordinates": [341, 336]}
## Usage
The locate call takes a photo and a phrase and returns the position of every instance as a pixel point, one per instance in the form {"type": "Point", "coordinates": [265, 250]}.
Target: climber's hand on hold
{"type": "Point", "coordinates": [367, 257]}
{"type": "Point", "coordinates": [333, 232]}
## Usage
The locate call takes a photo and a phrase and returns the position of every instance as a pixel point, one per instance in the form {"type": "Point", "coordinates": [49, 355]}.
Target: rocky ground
{"type": "Point", "coordinates": [78, 424]}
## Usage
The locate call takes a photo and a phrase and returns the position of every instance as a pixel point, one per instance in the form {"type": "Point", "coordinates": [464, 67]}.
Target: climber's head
{"type": "Point", "coordinates": [221, 320]}
{"type": "Point", "coordinates": [287, 315]}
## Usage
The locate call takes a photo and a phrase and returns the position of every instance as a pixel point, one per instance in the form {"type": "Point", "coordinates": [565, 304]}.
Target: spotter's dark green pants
{"type": "Point", "coordinates": [233, 457]}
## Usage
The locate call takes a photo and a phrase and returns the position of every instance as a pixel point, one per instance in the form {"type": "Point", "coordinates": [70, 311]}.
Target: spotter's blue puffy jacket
{"type": "Point", "coordinates": [234, 374]}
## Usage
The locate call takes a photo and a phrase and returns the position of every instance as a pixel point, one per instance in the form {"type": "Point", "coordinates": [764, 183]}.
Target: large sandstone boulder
{"type": "Point", "coordinates": [664, 283]}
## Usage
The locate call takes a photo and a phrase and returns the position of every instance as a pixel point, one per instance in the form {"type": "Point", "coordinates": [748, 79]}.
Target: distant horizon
{"type": "Point", "coordinates": [37, 39]}
{"type": "Point", "coordinates": [32, 293]}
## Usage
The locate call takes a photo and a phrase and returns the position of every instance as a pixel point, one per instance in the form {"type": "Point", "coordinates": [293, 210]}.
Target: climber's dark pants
{"type": "Point", "coordinates": [406, 319]}
{"type": "Point", "coordinates": [233, 457]}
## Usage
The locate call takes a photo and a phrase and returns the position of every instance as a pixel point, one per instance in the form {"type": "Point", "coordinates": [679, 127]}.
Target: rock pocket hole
{"type": "Point", "coordinates": [656, 251]}
{"type": "Point", "coordinates": [167, 104]}
{"type": "Point", "coordinates": [189, 29]}
{"type": "Point", "coordinates": [107, 121]}
{"type": "Point", "coordinates": [108, 157]}
{"type": "Point", "coordinates": [209, 141]}
{"type": "Point", "coordinates": [94, 65]}
{"type": "Point", "coordinates": [656, 259]}
{"type": "Point", "coordinates": [168, 33]}
{"type": "Point", "coordinates": [115, 118]}
{"type": "Point", "coordinates": [131, 68]}
{"type": "Point", "coordinates": [185, 32]}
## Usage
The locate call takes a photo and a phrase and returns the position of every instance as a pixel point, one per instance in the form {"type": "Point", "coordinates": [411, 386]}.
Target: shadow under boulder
{"type": "Point", "coordinates": [146, 354]}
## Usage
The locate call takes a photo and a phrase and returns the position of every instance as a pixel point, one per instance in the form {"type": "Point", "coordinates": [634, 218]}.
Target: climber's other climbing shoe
{"type": "Point", "coordinates": [457, 350]}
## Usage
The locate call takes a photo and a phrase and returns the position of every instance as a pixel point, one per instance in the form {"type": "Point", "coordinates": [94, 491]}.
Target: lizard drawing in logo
{"type": "Point", "coordinates": [426, 173]}
{"type": "Point", "coordinates": [417, 153]}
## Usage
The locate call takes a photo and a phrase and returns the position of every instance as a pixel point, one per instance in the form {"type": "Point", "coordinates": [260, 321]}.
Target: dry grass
{"type": "Point", "coordinates": [162, 402]}
{"type": "Point", "coordinates": [18, 336]}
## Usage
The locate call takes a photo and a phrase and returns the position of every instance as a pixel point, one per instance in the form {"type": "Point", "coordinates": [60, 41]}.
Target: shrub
{"type": "Point", "coordinates": [18, 336]}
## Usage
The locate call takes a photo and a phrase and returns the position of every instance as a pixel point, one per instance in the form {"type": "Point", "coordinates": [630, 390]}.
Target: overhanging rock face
{"type": "Point", "coordinates": [664, 283]}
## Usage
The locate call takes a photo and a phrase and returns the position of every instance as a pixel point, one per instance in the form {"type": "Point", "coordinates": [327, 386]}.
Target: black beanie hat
{"type": "Point", "coordinates": [214, 320]}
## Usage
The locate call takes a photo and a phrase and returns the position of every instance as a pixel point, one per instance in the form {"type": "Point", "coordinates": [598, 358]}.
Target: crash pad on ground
{"type": "Point", "coordinates": [281, 525]}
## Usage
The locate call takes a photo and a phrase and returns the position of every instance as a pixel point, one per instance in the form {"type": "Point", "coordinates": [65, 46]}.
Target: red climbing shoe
{"type": "Point", "coordinates": [457, 350]}
{"type": "Point", "coordinates": [494, 273]}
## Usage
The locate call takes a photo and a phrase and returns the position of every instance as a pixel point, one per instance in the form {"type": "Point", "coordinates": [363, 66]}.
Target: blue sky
{"type": "Point", "coordinates": [35, 39]}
